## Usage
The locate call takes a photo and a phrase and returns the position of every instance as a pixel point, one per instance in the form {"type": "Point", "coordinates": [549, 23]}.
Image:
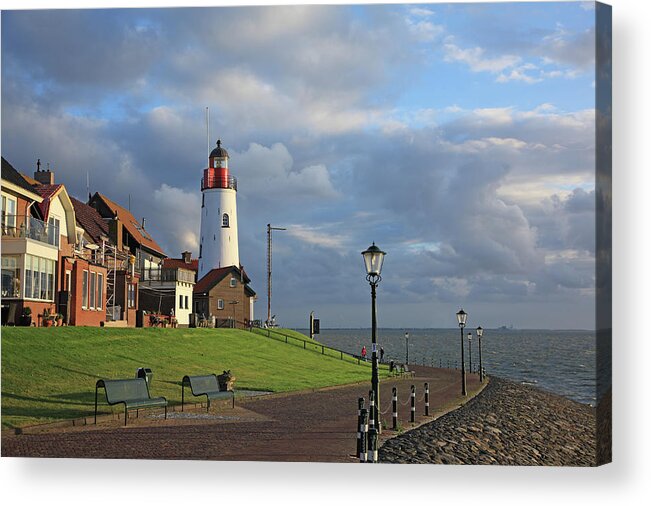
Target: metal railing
{"type": "Point", "coordinates": [18, 226]}
{"type": "Point", "coordinates": [308, 344]}
{"type": "Point", "coordinates": [213, 181]}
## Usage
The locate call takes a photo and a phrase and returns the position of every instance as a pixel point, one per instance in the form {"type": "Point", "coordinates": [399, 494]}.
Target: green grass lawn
{"type": "Point", "coordinates": [49, 374]}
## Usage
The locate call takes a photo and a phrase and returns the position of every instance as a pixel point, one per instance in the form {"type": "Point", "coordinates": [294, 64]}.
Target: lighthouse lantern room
{"type": "Point", "coordinates": [218, 245]}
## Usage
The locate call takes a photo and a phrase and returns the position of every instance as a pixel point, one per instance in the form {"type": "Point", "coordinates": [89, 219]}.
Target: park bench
{"type": "Point", "coordinates": [205, 385]}
{"type": "Point", "coordinates": [133, 393]}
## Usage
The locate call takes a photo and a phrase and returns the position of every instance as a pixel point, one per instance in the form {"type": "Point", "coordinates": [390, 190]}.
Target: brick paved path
{"type": "Point", "coordinates": [315, 426]}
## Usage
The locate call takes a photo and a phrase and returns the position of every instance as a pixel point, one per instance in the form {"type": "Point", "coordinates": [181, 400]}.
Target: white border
{"type": "Point", "coordinates": [70, 482]}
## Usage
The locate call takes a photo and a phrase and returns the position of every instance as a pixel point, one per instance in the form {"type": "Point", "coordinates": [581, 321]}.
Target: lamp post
{"type": "Point", "coordinates": [461, 318]}
{"type": "Point", "coordinates": [406, 347]}
{"type": "Point", "coordinates": [373, 259]}
{"type": "Point", "coordinates": [480, 332]}
{"type": "Point", "coordinates": [470, 351]}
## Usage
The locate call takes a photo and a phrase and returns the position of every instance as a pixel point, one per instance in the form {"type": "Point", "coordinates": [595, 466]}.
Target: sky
{"type": "Point", "coordinates": [460, 138]}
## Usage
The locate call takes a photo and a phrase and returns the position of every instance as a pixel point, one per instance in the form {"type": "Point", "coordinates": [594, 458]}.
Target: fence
{"type": "Point", "coordinates": [307, 344]}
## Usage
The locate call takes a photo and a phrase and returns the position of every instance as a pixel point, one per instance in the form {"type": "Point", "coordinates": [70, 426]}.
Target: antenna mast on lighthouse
{"type": "Point", "coordinates": [208, 131]}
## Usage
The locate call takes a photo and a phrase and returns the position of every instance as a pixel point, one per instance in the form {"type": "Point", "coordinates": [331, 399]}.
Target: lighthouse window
{"type": "Point", "coordinates": [220, 303]}
{"type": "Point", "coordinates": [225, 222]}
{"type": "Point", "coordinates": [233, 282]}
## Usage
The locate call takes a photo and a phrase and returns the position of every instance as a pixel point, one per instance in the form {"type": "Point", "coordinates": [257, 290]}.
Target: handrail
{"type": "Point", "coordinates": [316, 346]}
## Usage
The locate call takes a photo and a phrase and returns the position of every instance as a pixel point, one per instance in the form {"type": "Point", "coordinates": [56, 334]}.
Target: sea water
{"type": "Point", "coordinates": [560, 361]}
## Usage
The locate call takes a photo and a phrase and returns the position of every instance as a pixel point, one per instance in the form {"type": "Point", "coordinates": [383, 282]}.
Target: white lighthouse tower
{"type": "Point", "coordinates": [218, 243]}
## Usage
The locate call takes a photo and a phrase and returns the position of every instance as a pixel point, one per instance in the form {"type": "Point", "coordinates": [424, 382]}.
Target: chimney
{"type": "Point", "coordinates": [43, 176]}
{"type": "Point", "coordinates": [187, 257]}
{"type": "Point", "coordinates": [143, 223]}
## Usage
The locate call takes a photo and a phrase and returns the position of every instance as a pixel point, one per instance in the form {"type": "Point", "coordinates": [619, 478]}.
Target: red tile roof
{"type": "Point", "coordinates": [179, 263]}
{"type": "Point", "coordinates": [48, 192]}
{"type": "Point", "coordinates": [90, 220]}
{"type": "Point", "coordinates": [132, 225]}
{"type": "Point", "coordinates": [216, 275]}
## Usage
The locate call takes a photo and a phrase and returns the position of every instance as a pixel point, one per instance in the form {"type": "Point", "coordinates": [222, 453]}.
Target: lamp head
{"type": "Point", "coordinates": [461, 318]}
{"type": "Point", "coordinates": [373, 260]}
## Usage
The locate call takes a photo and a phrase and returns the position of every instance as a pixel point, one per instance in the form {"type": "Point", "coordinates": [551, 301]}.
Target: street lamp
{"type": "Point", "coordinates": [470, 351]}
{"type": "Point", "coordinates": [480, 332]}
{"type": "Point", "coordinates": [461, 318]}
{"type": "Point", "coordinates": [373, 259]}
{"type": "Point", "coordinates": [406, 347]}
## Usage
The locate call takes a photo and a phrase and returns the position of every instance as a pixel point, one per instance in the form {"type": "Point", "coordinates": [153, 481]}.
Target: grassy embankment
{"type": "Point", "coordinates": [49, 374]}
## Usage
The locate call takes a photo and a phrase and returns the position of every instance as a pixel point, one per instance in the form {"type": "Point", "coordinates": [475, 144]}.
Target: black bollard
{"type": "Point", "coordinates": [413, 404]}
{"type": "Point", "coordinates": [360, 433]}
{"type": "Point", "coordinates": [426, 399]}
{"type": "Point", "coordinates": [395, 408]}
{"type": "Point", "coordinates": [372, 445]}
{"type": "Point", "coordinates": [371, 410]}
{"type": "Point", "coordinates": [363, 428]}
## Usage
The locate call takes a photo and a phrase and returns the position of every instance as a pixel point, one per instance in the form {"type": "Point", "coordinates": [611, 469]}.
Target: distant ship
{"type": "Point", "coordinates": [504, 327]}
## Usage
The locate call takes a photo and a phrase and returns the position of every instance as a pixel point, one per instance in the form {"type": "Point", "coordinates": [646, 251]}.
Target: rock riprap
{"type": "Point", "coordinates": [507, 424]}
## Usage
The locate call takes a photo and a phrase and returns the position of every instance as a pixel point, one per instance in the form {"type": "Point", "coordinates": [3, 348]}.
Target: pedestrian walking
{"type": "Point", "coordinates": [364, 352]}
{"type": "Point", "coordinates": [381, 353]}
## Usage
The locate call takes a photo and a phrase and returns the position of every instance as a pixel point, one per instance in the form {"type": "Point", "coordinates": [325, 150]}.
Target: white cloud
{"type": "Point", "coordinates": [269, 172]}
{"type": "Point", "coordinates": [476, 59]}
{"type": "Point", "coordinates": [321, 236]}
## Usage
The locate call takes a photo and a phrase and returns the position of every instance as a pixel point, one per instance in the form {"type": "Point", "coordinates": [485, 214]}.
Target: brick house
{"type": "Point", "coordinates": [41, 249]}
{"type": "Point", "coordinates": [145, 256]}
{"type": "Point", "coordinates": [225, 294]}
{"type": "Point", "coordinates": [24, 237]}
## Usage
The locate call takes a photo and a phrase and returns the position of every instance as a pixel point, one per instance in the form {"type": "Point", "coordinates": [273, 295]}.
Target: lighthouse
{"type": "Point", "coordinates": [218, 243]}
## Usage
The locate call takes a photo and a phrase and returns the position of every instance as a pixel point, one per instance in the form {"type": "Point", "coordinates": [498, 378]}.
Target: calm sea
{"type": "Point", "coordinates": [560, 361]}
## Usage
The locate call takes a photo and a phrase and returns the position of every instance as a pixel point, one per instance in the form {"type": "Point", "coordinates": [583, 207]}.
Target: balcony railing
{"type": "Point", "coordinates": [31, 228]}
{"type": "Point", "coordinates": [214, 181]}
{"type": "Point", "coordinates": [167, 274]}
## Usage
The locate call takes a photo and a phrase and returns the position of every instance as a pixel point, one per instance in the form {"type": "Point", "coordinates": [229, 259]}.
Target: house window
{"type": "Point", "coordinates": [8, 215]}
{"type": "Point", "coordinates": [53, 231]}
{"type": "Point", "coordinates": [68, 280]}
{"type": "Point", "coordinates": [39, 278]}
{"type": "Point", "coordinates": [180, 301]}
{"type": "Point", "coordinates": [233, 282]}
{"type": "Point", "coordinates": [131, 302]}
{"type": "Point", "coordinates": [84, 290]}
{"type": "Point", "coordinates": [10, 277]}
{"type": "Point", "coordinates": [225, 221]}
{"type": "Point", "coordinates": [100, 290]}
{"type": "Point", "coordinates": [187, 299]}
{"type": "Point", "coordinates": [220, 303]}
{"type": "Point", "coordinates": [93, 289]}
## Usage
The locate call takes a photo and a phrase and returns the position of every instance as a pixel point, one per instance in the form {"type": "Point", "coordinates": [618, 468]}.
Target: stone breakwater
{"type": "Point", "coordinates": [507, 424]}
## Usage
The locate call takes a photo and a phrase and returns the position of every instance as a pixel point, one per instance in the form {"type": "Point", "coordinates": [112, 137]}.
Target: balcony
{"type": "Point", "coordinates": [211, 180]}
{"type": "Point", "coordinates": [30, 228]}
{"type": "Point", "coordinates": [168, 274]}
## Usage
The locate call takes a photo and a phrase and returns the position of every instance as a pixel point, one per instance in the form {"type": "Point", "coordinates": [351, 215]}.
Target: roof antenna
{"type": "Point", "coordinates": [38, 165]}
{"type": "Point", "coordinates": [88, 184]}
{"type": "Point", "coordinates": [129, 202]}
{"type": "Point", "coordinates": [208, 130]}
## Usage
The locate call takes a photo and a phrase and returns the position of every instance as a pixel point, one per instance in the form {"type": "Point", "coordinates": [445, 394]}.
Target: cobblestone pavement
{"type": "Point", "coordinates": [315, 426]}
{"type": "Point", "coordinates": [508, 424]}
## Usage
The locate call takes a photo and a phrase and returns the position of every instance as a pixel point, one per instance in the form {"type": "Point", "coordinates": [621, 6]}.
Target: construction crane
{"type": "Point", "coordinates": [270, 229]}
